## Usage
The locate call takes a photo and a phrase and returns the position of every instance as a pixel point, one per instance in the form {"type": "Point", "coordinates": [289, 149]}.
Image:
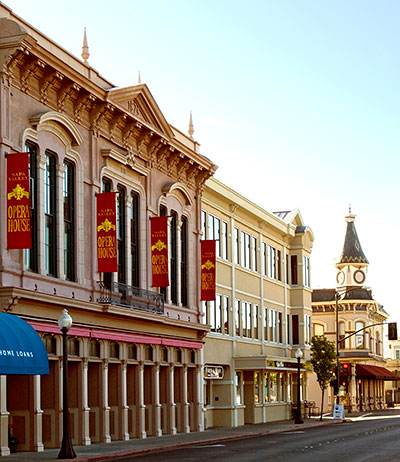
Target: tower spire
{"type": "Point", "coordinates": [85, 49]}
{"type": "Point", "coordinates": [191, 128]}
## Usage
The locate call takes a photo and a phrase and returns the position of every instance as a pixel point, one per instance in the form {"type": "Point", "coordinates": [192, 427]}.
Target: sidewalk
{"type": "Point", "coordinates": [99, 452]}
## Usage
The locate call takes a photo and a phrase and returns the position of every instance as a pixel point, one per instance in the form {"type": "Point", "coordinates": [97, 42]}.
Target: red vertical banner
{"type": "Point", "coordinates": [18, 202]}
{"type": "Point", "coordinates": [106, 233]}
{"type": "Point", "coordinates": [159, 251]}
{"type": "Point", "coordinates": [207, 270]}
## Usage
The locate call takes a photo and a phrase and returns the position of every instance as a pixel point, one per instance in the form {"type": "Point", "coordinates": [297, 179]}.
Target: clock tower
{"type": "Point", "coordinates": [353, 264]}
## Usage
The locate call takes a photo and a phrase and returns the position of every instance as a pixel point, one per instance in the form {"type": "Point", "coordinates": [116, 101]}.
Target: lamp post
{"type": "Point", "coordinates": [67, 450]}
{"type": "Point", "coordinates": [299, 355]}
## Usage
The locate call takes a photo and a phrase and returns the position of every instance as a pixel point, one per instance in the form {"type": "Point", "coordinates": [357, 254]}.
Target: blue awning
{"type": "Point", "coordinates": [22, 351]}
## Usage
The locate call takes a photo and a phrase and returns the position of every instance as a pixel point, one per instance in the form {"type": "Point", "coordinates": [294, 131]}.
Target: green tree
{"type": "Point", "coordinates": [323, 361]}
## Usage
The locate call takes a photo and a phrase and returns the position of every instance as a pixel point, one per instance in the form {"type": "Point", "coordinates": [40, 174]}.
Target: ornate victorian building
{"type": "Point", "coordinates": [135, 351]}
{"type": "Point", "coordinates": [360, 330]}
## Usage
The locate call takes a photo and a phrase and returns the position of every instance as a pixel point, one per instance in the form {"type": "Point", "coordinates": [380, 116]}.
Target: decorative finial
{"type": "Point", "coordinates": [138, 79]}
{"type": "Point", "coordinates": [85, 49]}
{"type": "Point", "coordinates": [349, 208]}
{"type": "Point", "coordinates": [191, 129]}
{"type": "Point", "coordinates": [350, 217]}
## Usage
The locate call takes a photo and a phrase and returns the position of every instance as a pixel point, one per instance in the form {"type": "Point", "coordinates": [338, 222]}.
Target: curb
{"type": "Point", "coordinates": [221, 439]}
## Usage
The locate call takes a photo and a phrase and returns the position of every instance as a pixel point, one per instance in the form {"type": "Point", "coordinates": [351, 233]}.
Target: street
{"type": "Point", "coordinates": [368, 437]}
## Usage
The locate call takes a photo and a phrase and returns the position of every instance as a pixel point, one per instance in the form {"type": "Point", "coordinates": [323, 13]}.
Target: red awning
{"type": "Point", "coordinates": [366, 371]}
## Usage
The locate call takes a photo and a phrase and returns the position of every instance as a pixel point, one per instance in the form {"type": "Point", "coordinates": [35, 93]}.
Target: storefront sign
{"type": "Point", "coordinates": [213, 372]}
{"type": "Point", "coordinates": [207, 270]}
{"type": "Point", "coordinates": [159, 252]}
{"type": "Point", "coordinates": [106, 233]}
{"type": "Point", "coordinates": [18, 202]}
{"type": "Point", "coordinates": [338, 411]}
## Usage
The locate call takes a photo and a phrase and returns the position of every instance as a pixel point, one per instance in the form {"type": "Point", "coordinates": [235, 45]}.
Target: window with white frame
{"type": "Point", "coordinates": [274, 263]}
{"type": "Point", "coordinates": [204, 224]}
{"type": "Point", "coordinates": [224, 241]}
{"type": "Point", "coordinates": [236, 247]}
{"type": "Point", "coordinates": [306, 271]}
{"type": "Point", "coordinates": [237, 317]}
{"type": "Point", "coordinates": [214, 232]}
{"type": "Point", "coordinates": [245, 250]}
{"type": "Point", "coordinates": [307, 328]}
{"type": "Point", "coordinates": [264, 258]}
{"type": "Point", "coordinates": [254, 253]}
{"type": "Point", "coordinates": [217, 314]}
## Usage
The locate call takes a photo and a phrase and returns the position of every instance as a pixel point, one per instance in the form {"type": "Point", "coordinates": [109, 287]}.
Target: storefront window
{"type": "Point", "coordinates": [273, 385]}
{"type": "Point", "coordinates": [266, 388]}
{"type": "Point", "coordinates": [256, 387]}
{"type": "Point", "coordinates": [238, 388]}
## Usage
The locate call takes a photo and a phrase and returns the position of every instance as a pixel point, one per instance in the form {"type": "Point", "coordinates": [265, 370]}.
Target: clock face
{"type": "Point", "coordinates": [340, 277]}
{"type": "Point", "coordinates": [359, 276]}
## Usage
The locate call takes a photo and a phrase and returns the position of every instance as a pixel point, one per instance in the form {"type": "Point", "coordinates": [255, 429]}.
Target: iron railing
{"type": "Point", "coordinates": [120, 294]}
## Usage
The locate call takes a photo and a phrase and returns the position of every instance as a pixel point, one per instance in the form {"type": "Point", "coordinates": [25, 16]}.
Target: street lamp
{"type": "Point", "coordinates": [299, 355]}
{"type": "Point", "coordinates": [67, 450]}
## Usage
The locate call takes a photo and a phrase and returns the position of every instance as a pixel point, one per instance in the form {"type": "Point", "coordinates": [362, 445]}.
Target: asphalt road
{"type": "Point", "coordinates": [368, 438]}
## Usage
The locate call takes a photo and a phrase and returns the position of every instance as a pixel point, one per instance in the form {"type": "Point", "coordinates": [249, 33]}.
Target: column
{"type": "Point", "coordinates": [37, 415]}
{"type": "Point", "coordinates": [125, 407]}
{"type": "Point", "coordinates": [141, 405]}
{"type": "Point", "coordinates": [171, 401]}
{"type": "Point", "coordinates": [85, 405]}
{"type": "Point", "coordinates": [4, 449]}
{"type": "Point", "coordinates": [199, 414]}
{"type": "Point", "coordinates": [185, 404]}
{"type": "Point", "coordinates": [106, 437]}
{"type": "Point", "coordinates": [156, 401]}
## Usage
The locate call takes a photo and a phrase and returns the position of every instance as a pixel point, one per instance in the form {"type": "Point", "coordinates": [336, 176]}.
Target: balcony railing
{"type": "Point", "coordinates": [131, 297]}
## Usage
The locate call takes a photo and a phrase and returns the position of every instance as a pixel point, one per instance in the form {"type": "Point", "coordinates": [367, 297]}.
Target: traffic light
{"type": "Point", "coordinates": [392, 327]}
{"type": "Point", "coordinates": [345, 375]}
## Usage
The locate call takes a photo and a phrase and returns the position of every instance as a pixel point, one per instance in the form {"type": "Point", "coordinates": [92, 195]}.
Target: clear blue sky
{"type": "Point", "coordinates": [303, 95]}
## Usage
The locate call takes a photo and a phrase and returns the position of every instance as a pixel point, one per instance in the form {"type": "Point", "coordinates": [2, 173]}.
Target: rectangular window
{"type": "Point", "coordinates": [50, 241]}
{"type": "Point", "coordinates": [32, 254]}
{"type": "Point", "coordinates": [184, 267]}
{"type": "Point", "coordinates": [163, 213]}
{"type": "Point", "coordinates": [255, 321]}
{"type": "Point", "coordinates": [236, 246]}
{"type": "Point", "coordinates": [135, 240]}
{"type": "Point", "coordinates": [273, 326]}
{"type": "Point", "coordinates": [245, 250]}
{"type": "Point", "coordinates": [238, 383]}
{"type": "Point", "coordinates": [225, 317]}
{"type": "Point", "coordinates": [272, 262]}
{"type": "Point", "coordinates": [214, 230]}
{"type": "Point", "coordinates": [306, 271]}
{"type": "Point", "coordinates": [293, 269]}
{"type": "Point", "coordinates": [279, 265]}
{"type": "Point", "coordinates": [254, 253]}
{"type": "Point", "coordinates": [307, 328]}
{"type": "Point", "coordinates": [273, 387]}
{"type": "Point", "coordinates": [237, 317]}
{"type": "Point", "coordinates": [265, 324]}
{"type": "Point", "coordinates": [265, 258]}
{"type": "Point", "coordinates": [224, 242]}
{"type": "Point", "coordinates": [280, 327]}
{"type": "Point", "coordinates": [121, 253]}
{"type": "Point", "coordinates": [69, 221]}
{"type": "Point", "coordinates": [295, 329]}
{"type": "Point", "coordinates": [204, 224]}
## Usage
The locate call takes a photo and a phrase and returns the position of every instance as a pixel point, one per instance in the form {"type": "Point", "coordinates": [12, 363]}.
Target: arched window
{"type": "Point", "coordinates": [178, 355]}
{"type": "Point", "coordinates": [360, 335]}
{"type": "Point", "coordinates": [114, 350]}
{"type": "Point", "coordinates": [32, 253]}
{"type": "Point", "coordinates": [163, 213]}
{"type": "Point", "coordinates": [69, 220]}
{"type": "Point", "coordinates": [50, 210]}
{"type": "Point", "coordinates": [132, 351]}
{"type": "Point", "coordinates": [318, 329]}
{"type": "Point", "coordinates": [135, 240]}
{"type": "Point", "coordinates": [73, 346]}
{"type": "Point", "coordinates": [342, 345]}
{"type": "Point", "coordinates": [94, 349]}
{"type": "Point", "coordinates": [173, 257]}
{"type": "Point", "coordinates": [192, 357]}
{"type": "Point", "coordinates": [184, 278]}
{"type": "Point", "coordinates": [164, 354]}
{"type": "Point", "coordinates": [377, 343]}
{"type": "Point", "coordinates": [148, 353]}
{"type": "Point", "coordinates": [121, 253]}
{"type": "Point", "coordinates": [50, 343]}
{"type": "Point", "coordinates": [107, 277]}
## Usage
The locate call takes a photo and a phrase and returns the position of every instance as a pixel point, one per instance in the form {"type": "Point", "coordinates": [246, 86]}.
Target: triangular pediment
{"type": "Point", "coordinates": [138, 101]}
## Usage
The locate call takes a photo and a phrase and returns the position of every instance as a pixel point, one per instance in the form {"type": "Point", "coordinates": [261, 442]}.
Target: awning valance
{"type": "Point", "coordinates": [22, 351]}
{"type": "Point", "coordinates": [366, 371]}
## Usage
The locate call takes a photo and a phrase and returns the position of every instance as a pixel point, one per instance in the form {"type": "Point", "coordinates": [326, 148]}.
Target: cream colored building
{"type": "Point", "coordinates": [135, 354]}
{"type": "Point", "coordinates": [262, 313]}
{"type": "Point", "coordinates": [361, 330]}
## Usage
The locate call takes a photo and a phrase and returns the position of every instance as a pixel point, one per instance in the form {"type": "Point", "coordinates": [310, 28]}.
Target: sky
{"type": "Point", "coordinates": [303, 95]}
